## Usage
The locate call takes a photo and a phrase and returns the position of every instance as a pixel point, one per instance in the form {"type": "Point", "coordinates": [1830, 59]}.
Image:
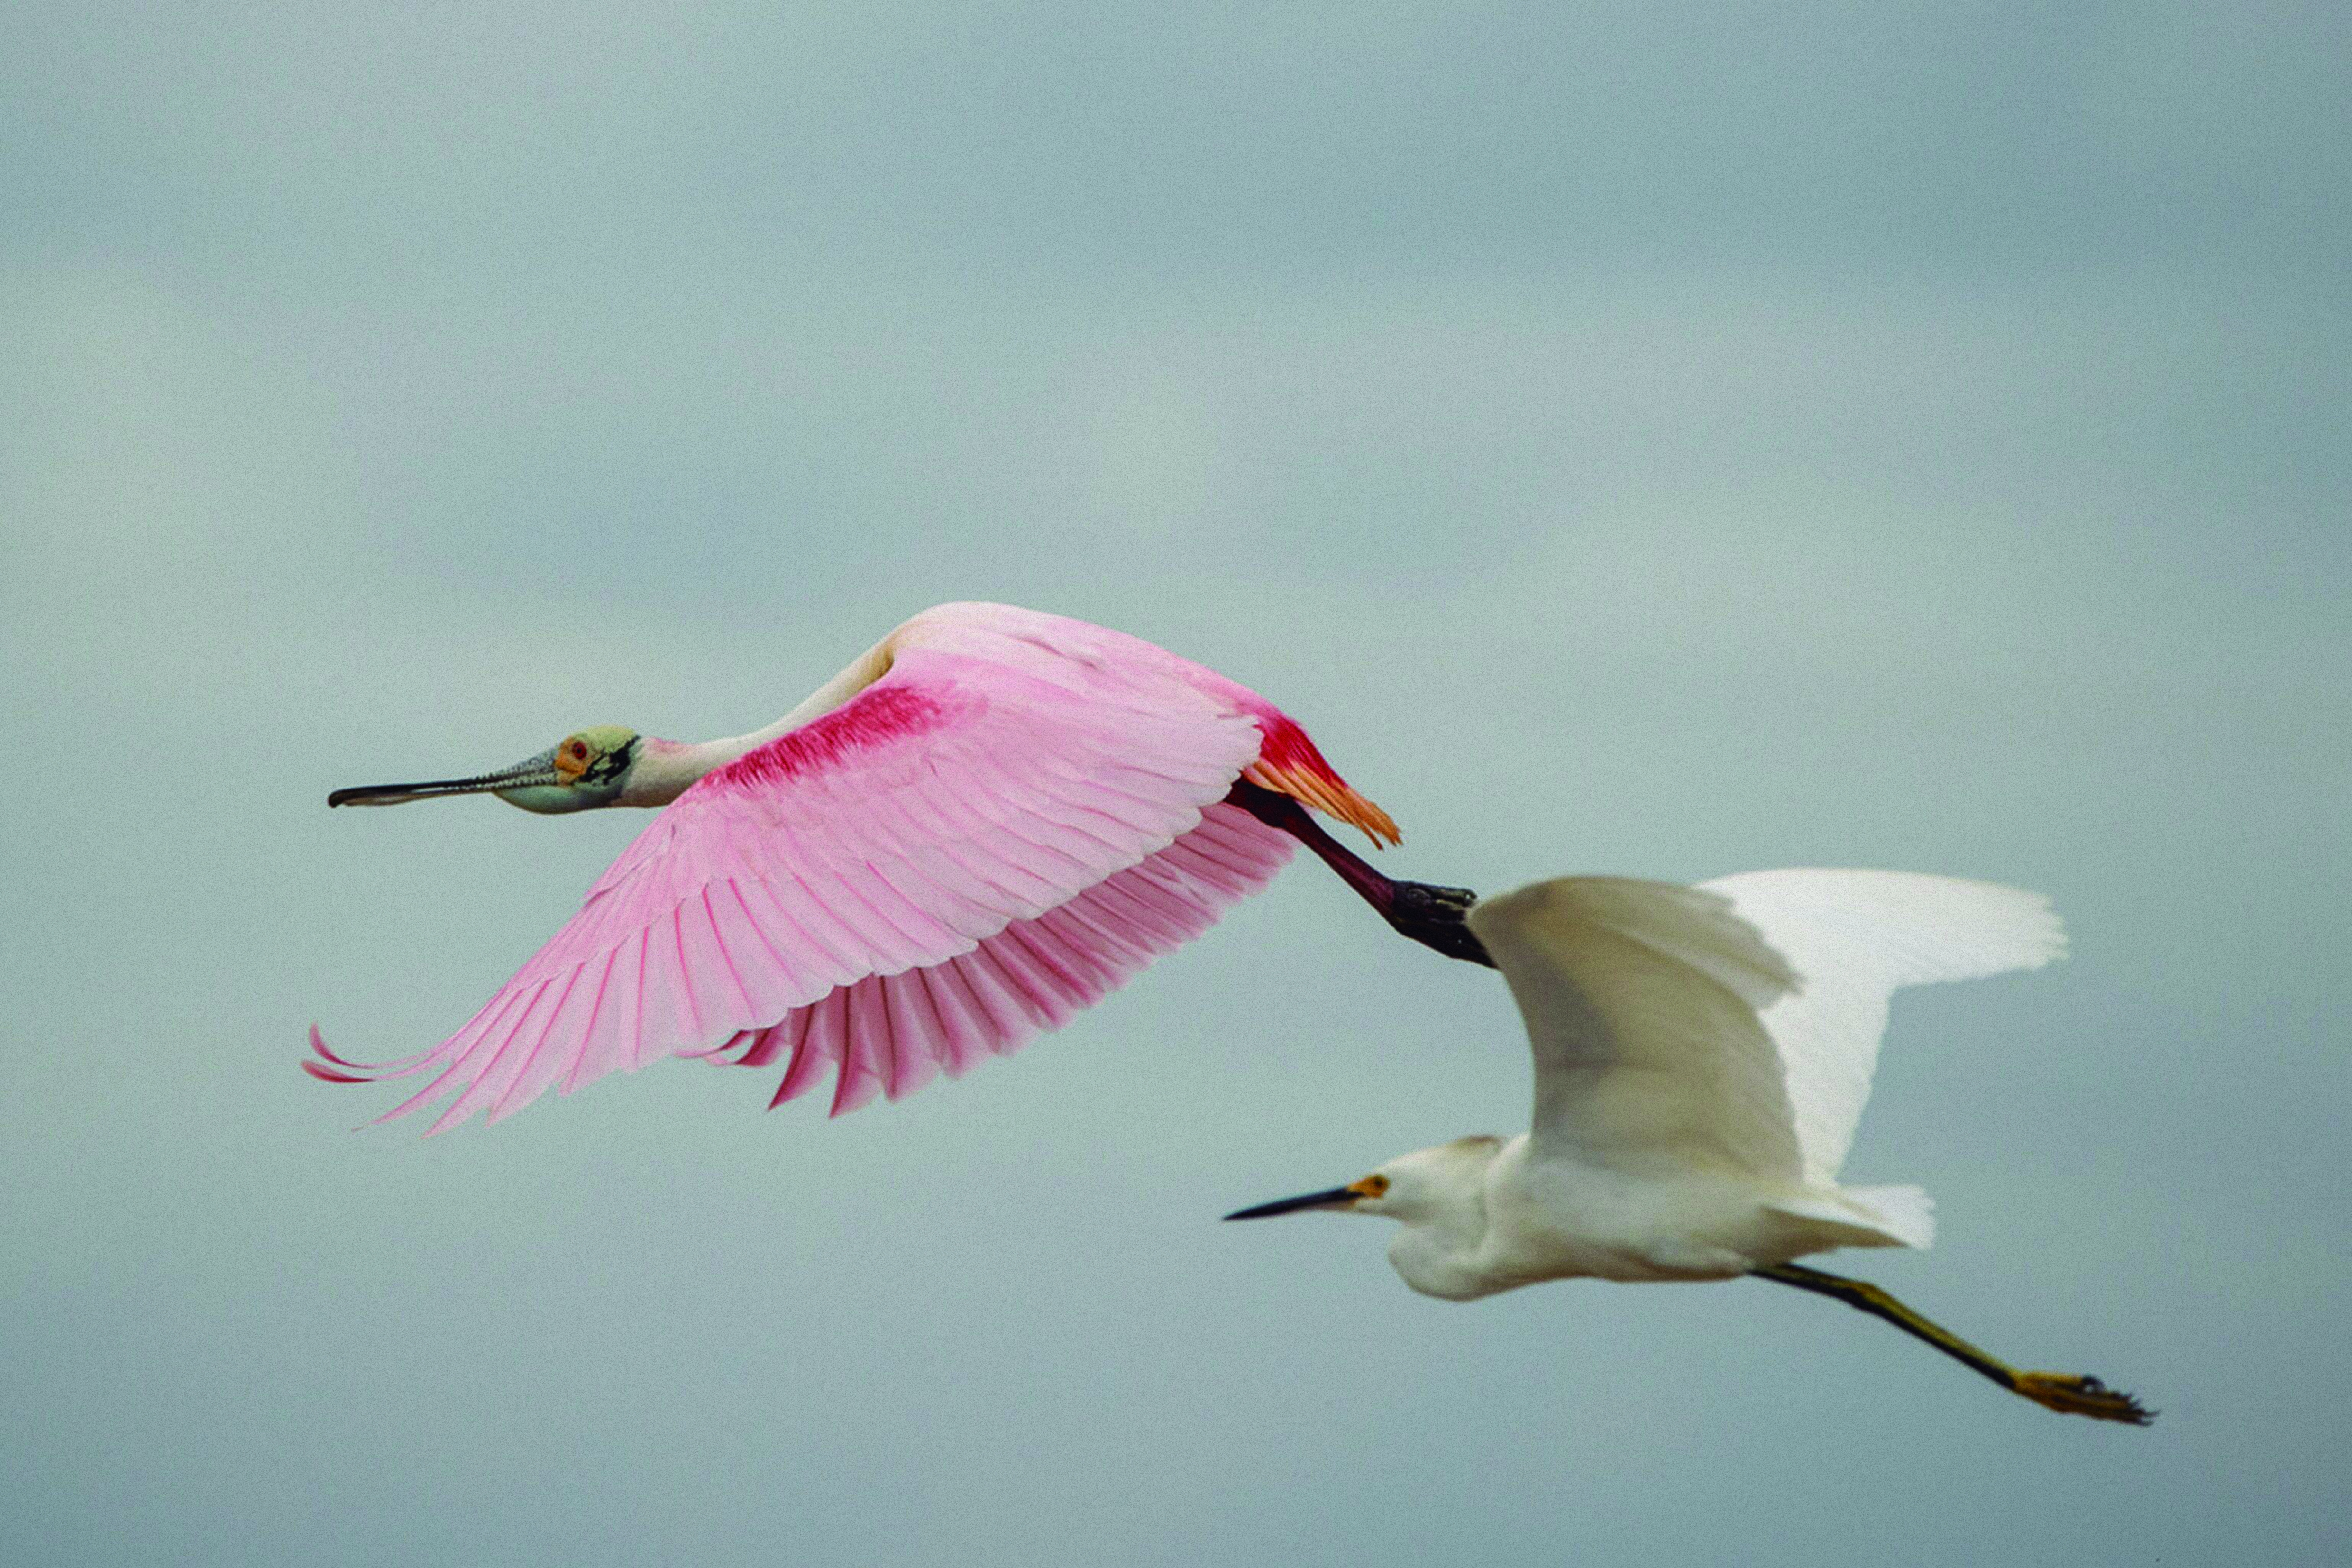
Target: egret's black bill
{"type": "Point", "coordinates": [1337, 1198]}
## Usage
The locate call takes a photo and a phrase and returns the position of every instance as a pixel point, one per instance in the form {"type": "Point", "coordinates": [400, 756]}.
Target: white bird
{"type": "Point", "coordinates": [1701, 1057]}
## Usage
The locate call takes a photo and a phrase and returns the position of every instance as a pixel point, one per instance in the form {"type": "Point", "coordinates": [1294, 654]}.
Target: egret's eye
{"type": "Point", "coordinates": [1371, 1186]}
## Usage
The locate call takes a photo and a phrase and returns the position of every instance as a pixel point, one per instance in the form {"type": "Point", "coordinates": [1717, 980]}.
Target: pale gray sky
{"type": "Point", "coordinates": [1709, 439]}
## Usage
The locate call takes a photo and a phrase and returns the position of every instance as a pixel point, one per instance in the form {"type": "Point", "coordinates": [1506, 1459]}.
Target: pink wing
{"type": "Point", "coordinates": [991, 837]}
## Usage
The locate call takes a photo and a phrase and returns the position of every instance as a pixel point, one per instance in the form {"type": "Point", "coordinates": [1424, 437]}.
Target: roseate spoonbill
{"type": "Point", "coordinates": [1701, 1058]}
{"type": "Point", "coordinates": [991, 819]}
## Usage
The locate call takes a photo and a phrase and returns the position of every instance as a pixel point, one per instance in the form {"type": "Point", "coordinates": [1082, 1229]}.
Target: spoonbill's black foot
{"type": "Point", "coordinates": [1436, 918]}
{"type": "Point", "coordinates": [2082, 1396]}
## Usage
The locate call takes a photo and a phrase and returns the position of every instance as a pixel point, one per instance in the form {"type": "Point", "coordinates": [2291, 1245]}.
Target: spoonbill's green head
{"type": "Point", "coordinates": [586, 769]}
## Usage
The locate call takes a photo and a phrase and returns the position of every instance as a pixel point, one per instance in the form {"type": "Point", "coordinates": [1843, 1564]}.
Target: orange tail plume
{"type": "Point", "coordinates": [1288, 761]}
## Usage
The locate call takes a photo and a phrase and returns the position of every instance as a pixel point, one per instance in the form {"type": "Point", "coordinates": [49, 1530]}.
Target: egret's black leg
{"type": "Point", "coordinates": [1431, 915]}
{"type": "Point", "coordinates": [2053, 1390]}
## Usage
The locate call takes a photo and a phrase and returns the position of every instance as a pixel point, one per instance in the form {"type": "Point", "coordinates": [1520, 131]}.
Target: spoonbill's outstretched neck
{"type": "Point", "coordinates": [1702, 1055]}
{"type": "Point", "coordinates": [988, 821]}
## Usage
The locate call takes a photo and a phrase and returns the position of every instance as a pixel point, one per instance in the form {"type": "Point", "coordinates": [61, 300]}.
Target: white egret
{"type": "Point", "coordinates": [1701, 1057]}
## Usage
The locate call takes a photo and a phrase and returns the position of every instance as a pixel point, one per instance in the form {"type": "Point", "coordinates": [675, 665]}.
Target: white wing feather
{"type": "Point", "coordinates": [1856, 937]}
{"type": "Point", "coordinates": [1642, 1002]}
{"type": "Point", "coordinates": [1734, 1023]}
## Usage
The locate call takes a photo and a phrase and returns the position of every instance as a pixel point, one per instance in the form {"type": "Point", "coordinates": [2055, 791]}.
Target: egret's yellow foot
{"type": "Point", "coordinates": [2050, 1390]}
{"type": "Point", "coordinates": [2081, 1396]}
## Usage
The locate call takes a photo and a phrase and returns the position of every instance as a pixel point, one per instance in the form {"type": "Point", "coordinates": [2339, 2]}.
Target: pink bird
{"type": "Point", "coordinates": [989, 821]}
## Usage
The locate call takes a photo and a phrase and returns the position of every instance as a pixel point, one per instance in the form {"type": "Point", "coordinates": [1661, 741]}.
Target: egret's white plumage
{"type": "Point", "coordinates": [1701, 1057]}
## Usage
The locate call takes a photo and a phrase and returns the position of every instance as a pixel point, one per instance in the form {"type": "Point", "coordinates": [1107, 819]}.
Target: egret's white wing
{"type": "Point", "coordinates": [1642, 1002]}
{"type": "Point", "coordinates": [1737, 1021]}
{"type": "Point", "coordinates": [1856, 937]}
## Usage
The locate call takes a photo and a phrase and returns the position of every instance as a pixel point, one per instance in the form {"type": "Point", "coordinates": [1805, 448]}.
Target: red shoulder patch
{"type": "Point", "coordinates": [875, 717]}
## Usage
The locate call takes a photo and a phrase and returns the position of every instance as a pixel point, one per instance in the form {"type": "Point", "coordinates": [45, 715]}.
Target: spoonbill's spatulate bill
{"type": "Point", "coordinates": [988, 821]}
{"type": "Point", "coordinates": [1701, 1058]}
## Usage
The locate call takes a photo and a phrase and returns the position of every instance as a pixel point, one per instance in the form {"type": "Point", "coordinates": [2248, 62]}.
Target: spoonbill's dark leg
{"type": "Point", "coordinates": [1430, 915]}
{"type": "Point", "coordinates": [2052, 1390]}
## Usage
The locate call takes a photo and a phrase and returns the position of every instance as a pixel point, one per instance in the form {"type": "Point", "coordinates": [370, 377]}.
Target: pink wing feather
{"type": "Point", "coordinates": [1014, 819]}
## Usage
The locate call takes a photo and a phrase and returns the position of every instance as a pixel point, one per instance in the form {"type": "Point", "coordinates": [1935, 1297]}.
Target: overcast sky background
{"type": "Point", "coordinates": [1712, 438]}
